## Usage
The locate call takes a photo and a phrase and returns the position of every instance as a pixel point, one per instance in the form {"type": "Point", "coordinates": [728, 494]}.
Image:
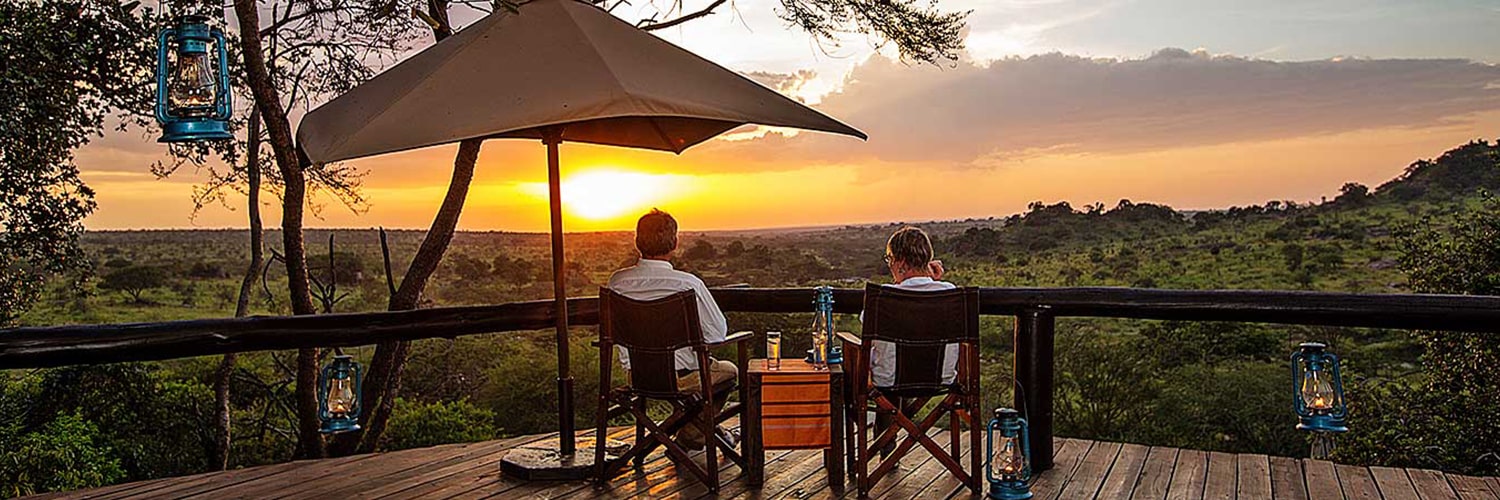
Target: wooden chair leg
{"type": "Point", "coordinates": [709, 430]}
{"type": "Point", "coordinates": [601, 437]}
{"type": "Point", "coordinates": [640, 430]}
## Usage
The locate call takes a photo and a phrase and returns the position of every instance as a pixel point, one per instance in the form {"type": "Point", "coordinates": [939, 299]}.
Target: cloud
{"type": "Point", "coordinates": [976, 114]}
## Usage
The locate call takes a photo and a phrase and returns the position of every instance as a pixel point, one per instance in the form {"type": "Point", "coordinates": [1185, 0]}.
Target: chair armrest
{"type": "Point", "coordinates": [849, 337]}
{"type": "Point", "coordinates": [734, 338]}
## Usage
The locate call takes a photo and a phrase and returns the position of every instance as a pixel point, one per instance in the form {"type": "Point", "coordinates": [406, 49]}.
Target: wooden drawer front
{"type": "Point", "coordinates": [795, 409]}
{"type": "Point", "coordinates": [795, 432]}
{"type": "Point", "coordinates": [795, 393]}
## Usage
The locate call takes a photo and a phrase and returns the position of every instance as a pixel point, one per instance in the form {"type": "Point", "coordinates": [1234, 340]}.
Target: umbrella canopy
{"type": "Point", "coordinates": [553, 62]}
{"type": "Point", "coordinates": [559, 71]}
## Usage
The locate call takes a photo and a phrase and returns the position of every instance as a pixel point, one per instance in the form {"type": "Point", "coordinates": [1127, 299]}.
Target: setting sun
{"type": "Point", "coordinates": [600, 195]}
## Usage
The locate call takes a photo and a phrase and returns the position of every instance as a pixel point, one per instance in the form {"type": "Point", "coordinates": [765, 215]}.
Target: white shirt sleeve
{"type": "Point", "coordinates": [715, 326]}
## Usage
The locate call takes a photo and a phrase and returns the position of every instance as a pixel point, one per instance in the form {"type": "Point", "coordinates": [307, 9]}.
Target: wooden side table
{"type": "Point", "coordinates": [794, 408]}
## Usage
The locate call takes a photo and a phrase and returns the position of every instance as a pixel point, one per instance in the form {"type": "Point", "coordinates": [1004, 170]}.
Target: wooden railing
{"type": "Point", "coordinates": [1035, 310]}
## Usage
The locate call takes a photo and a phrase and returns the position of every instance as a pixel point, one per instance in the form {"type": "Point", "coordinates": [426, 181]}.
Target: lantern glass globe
{"type": "Point", "coordinates": [193, 85]}
{"type": "Point", "coordinates": [1317, 391]}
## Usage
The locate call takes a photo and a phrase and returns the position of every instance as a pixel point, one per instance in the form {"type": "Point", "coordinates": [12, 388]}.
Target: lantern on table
{"type": "Point", "coordinates": [1008, 466]}
{"type": "Point", "coordinates": [825, 349]}
{"type": "Point", "coordinates": [338, 395]}
{"type": "Point", "coordinates": [192, 82]}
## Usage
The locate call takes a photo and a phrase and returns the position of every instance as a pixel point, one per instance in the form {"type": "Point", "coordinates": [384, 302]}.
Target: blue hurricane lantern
{"type": "Point", "coordinates": [192, 82]}
{"type": "Point", "coordinates": [1008, 466]}
{"type": "Point", "coordinates": [1318, 389]}
{"type": "Point", "coordinates": [338, 395]}
{"type": "Point", "coordinates": [823, 319]}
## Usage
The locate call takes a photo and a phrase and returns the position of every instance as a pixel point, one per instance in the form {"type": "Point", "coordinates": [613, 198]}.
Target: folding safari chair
{"type": "Point", "coordinates": [652, 331]}
{"type": "Point", "coordinates": [921, 324]}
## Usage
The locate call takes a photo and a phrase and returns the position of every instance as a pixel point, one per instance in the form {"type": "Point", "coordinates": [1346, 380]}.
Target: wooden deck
{"type": "Point", "coordinates": [1085, 469]}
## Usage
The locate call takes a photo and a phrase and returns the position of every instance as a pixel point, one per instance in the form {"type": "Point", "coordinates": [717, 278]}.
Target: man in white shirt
{"type": "Point", "coordinates": [652, 278]}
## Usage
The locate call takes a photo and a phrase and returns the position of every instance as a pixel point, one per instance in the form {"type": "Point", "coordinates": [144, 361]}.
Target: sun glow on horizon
{"type": "Point", "coordinates": [609, 193]}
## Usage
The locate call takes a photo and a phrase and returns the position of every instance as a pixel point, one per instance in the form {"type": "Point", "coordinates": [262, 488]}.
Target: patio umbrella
{"type": "Point", "coordinates": [554, 70]}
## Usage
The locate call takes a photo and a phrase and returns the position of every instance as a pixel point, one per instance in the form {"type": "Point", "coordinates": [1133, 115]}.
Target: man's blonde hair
{"type": "Point", "coordinates": [911, 246]}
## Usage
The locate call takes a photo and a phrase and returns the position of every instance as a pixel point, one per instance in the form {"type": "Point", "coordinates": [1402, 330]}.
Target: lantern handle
{"type": "Point", "coordinates": [226, 98]}
{"type": "Point", "coordinates": [162, 38]}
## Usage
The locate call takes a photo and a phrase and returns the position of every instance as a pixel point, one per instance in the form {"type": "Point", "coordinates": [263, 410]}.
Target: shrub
{"type": "Point", "coordinates": [67, 453]}
{"type": "Point", "coordinates": [417, 425]}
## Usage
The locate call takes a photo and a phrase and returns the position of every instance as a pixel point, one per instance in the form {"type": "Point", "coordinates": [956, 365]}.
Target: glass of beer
{"type": "Point", "coordinates": [773, 350]}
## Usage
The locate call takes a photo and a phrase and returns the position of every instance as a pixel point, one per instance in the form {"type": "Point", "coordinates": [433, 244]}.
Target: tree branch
{"type": "Point", "coordinates": [685, 18]}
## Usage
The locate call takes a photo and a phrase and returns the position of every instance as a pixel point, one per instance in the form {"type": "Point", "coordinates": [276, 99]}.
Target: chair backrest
{"type": "Point", "coordinates": [921, 324]}
{"type": "Point", "coordinates": [651, 331]}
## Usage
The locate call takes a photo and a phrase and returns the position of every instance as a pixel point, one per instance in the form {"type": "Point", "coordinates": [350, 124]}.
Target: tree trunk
{"type": "Point", "coordinates": [383, 380]}
{"type": "Point", "coordinates": [291, 166]}
{"type": "Point", "coordinates": [222, 376]}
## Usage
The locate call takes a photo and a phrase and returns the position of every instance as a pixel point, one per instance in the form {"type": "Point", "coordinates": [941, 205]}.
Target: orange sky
{"type": "Point", "coordinates": [607, 187]}
{"type": "Point", "coordinates": [975, 137]}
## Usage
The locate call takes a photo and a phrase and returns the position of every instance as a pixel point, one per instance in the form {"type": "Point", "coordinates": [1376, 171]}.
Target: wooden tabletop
{"type": "Point", "coordinates": [791, 366]}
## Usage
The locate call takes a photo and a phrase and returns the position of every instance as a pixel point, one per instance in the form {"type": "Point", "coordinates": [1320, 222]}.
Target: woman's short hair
{"type": "Point", "coordinates": [909, 245]}
{"type": "Point", "coordinates": [656, 234]}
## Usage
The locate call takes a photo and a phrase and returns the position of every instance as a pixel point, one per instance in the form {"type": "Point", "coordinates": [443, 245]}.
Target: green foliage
{"type": "Point", "coordinates": [66, 453]}
{"type": "Point", "coordinates": [155, 422]}
{"type": "Point", "coordinates": [1446, 418]}
{"type": "Point", "coordinates": [64, 65]}
{"type": "Point", "coordinates": [415, 424]}
{"type": "Point", "coordinates": [347, 267]}
{"type": "Point", "coordinates": [135, 280]}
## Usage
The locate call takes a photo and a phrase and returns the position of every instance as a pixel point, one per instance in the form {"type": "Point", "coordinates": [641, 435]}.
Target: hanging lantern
{"type": "Point", "coordinates": [1318, 389]}
{"type": "Point", "coordinates": [192, 82]}
{"type": "Point", "coordinates": [1009, 464]}
{"type": "Point", "coordinates": [338, 395]}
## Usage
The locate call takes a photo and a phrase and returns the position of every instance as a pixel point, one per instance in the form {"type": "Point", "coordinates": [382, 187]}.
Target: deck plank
{"type": "Point", "coordinates": [1189, 476]}
{"type": "Point", "coordinates": [1082, 469]}
{"type": "Point", "coordinates": [1091, 471]}
{"type": "Point", "coordinates": [1431, 485]}
{"type": "Point", "coordinates": [403, 469]}
{"type": "Point", "coordinates": [1122, 478]}
{"type": "Point", "coordinates": [1393, 483]}
{"type": "Point", "coordinates": [1065, 459]}
{"type": "Point", "coordinates": [1156, 474]}
{"type": "Point", "coordinates": [1222, 472]}
{"type": "Point", "coordinates": [1286, 479]}
{"type": "Point", "coordinates": [815, 487]}
{"type": "Point", "coordinates": [799, 465]}
{"type": "Point", "coordinates": [1357, 482]}
{"type": "Point", "coordinates": [1322, 480]}
{"type": "Point", "coordinates": [945, 485]}
{"type": "Point", "coordinates": [1471, 488]}
{"type": "Point", "coordinates": [930, 472]}
{"type": "Point", "coordinates": [1254, 476]}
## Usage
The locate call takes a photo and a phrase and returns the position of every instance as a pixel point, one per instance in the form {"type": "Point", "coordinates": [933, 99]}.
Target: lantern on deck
{"type": "Point", "coordinates": [192, 82]}
{"type": "Point", "coordinates": [338, 395]}
{"type": "Point", "coordinates": [1008, 467]}
{"type": "Point", "coordinates": [1318, 389]}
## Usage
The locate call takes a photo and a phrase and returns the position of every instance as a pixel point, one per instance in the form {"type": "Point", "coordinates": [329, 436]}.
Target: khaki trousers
{"type": "Point", "coordinates": [719, 372]}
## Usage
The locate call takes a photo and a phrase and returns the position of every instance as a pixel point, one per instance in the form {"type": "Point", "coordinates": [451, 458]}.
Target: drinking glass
{"type": "Point", "coordinates": [773, 350]}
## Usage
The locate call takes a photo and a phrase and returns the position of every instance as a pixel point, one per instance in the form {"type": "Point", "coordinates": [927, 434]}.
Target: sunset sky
{"type": "Point", "coordinates": [1196, 104]}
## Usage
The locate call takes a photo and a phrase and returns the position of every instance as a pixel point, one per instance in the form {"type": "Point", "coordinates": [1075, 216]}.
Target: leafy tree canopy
{"type": "Point", "coordinates": [65, 65]}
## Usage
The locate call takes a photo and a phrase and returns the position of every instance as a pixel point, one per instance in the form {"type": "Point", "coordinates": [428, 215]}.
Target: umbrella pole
{"type": "Point", "coordinates": [565, 430]}
{"type": "Point", "coordinates": [564, 460]}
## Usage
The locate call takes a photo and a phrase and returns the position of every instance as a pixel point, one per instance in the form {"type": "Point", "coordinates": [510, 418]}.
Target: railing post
{"type": "Point", "coordinates": [1033, 376]}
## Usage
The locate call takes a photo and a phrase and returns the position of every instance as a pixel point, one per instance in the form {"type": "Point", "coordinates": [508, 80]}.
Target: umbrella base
{"type": "Point", "coordinates": [541, 461]}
